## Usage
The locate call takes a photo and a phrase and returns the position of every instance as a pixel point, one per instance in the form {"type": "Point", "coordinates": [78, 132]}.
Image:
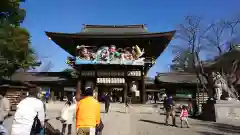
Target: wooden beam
{"type": "Point", "coordinates": [78, 87]}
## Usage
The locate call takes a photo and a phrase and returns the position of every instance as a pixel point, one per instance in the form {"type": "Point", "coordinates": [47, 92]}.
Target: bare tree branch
{"type": "Point", "coordinates": [199, 39]}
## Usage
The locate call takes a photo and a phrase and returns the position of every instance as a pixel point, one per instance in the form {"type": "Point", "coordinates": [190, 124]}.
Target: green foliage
{"type": "Point", "coordinates": [15, 50]}
{"type": "Point", "coordinates": [72, 72]}
{"type": "Point", "coordinates": [11, 12]}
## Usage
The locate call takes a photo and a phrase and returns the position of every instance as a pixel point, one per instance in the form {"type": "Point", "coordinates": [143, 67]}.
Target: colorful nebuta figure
{"type": "Point", "coordinates": [78, 51]}
{"type": "Point", "coordinates": [113, 53]}
{"type": "Point", "coordinates": [112, 49]}
{"type": "Point", "coordinates": [121, 55]}
{"type": "Point", "coordinates": [102, 54]}
{"type": "Point", "coordinates": [82, 52]}
{"type": "Point", "coordinates": [92, 55]}
{"type": "Point", "coordinates": [127, 55]}
{"type": "Point", "coordinates": [70, 61]}
{"type": "Point", "coordinates": [137, 52]}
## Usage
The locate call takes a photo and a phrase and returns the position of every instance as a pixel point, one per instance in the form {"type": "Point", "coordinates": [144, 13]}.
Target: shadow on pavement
{"type": "Point", "coordinates": [146, 113]}
{"type": "Point", "coordinates": [120, 112]}
{"type": "Point", "coordinates": [226, 128]}
{"type": "Point", "coordinates": [177, 114]}
{"type": "Point", "coordinates": [153, 122]}
{"type": "Point", "coordinates": [155, 106]}
{"type": "Point", "coordinates": [208, 133]}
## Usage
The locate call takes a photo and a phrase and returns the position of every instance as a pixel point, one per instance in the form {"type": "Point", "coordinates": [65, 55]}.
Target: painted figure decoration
{"type": "Point", "coordinates": [109, 55]}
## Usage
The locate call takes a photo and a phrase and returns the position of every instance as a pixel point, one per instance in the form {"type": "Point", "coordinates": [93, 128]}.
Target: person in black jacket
{"type": "Point", "coordinates": [170, 110]}
{"type": "Point", "coordinates": [107, 102]}
{"type": "Point", "coordinates": [165, 104]}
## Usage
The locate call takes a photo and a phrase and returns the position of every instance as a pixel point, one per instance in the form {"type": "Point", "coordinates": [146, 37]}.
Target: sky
{"type": "Point", "coordinates": [159, 15]}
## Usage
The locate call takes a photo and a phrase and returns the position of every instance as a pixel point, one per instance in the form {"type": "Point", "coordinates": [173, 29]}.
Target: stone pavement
{"type": "Point", "coordinates": [145, 120]}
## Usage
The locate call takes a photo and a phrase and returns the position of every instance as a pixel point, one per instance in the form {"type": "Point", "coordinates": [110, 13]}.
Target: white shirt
{"type": "Point", "coordinates": [74, 100]}
{"type": "Point", "coordinates": [27, 109]}
{"type": "Point", "coordinates": [68, 113]}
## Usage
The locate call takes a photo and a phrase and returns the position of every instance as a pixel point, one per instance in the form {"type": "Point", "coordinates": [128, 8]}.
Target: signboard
{"type": "Point", "coordinates": [183, 91]}
{"type": "Point", "coordinates": [109, 73]}
{"type": "Point", "coordinates": [134, 73]}
{"type": "Point", "coordinates": [117, 89]}
{"type": "Point", "coordinates": [70, 89]}
{"type": "Point", "coordinates": [137, 93]}
{"type": "Point", "coordinates": [87, 73]}
{"type": "Point", "coordinates": [184, 95]}
{"type": "Point", "coordinates": [109, 55]}
{"type": "Point", "coordinates": [110, 80]}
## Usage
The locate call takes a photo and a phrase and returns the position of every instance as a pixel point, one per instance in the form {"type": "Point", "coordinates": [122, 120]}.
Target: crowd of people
{"type": "Point", "coordinates": [79, 112]}
{"type": "Point", "coordinates": [30, 116]}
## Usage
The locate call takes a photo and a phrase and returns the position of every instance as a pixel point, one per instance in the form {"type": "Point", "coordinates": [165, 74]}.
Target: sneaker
{"type": "Point", "coordinates": [175, 126]}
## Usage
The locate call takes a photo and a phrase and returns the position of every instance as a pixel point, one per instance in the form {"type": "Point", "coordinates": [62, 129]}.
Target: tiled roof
{"type": "Point", "coordinates": [34, 77]}
{"type": "Point", "coordinates": [114, 29]}
{"type": "Point", "coordinates": [225, 61]}
{"type": "Point", "coordinates": [153, 43]}
{"type": "Point", "coordinates": [177, 77]}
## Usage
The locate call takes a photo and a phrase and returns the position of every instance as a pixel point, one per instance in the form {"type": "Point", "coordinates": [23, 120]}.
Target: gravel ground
{"type": "Point", "coordinates": [144, 120]}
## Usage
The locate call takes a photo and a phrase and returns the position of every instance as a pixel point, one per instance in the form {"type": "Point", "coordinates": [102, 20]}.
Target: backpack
{"type": "Point", "coordinates": [99, 127]}
{"type": "Point", "coordinates": [36, 127]}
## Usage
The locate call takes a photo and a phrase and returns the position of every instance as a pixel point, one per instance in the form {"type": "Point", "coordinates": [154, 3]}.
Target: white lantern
{"type": "Point", "coordinates": [109, 80]}
{"type": "Point", "coordinates": [98, 80]}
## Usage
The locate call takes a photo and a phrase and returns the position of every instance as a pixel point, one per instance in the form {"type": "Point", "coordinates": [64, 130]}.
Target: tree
{"type": "Point", "coordinates": [72, 72]}
{"type": "Point", "coordinates": [15, 50]}
{"type": "Point", "coordinates": [199, 40]}
{"type": "Point", "coordinates": [11, 13]}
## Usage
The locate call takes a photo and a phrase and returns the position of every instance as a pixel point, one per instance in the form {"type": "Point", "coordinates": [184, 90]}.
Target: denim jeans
{"type": "Point", "coordinates": [3, 130]}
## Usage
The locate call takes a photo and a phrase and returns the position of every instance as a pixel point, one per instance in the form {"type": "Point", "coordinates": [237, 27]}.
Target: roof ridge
{"type": "Point", "coordinates": [182, 73]}
{"type": "Point", "coordinates": [115, 26]}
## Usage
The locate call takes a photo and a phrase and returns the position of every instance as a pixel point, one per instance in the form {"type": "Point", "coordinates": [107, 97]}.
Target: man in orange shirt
{"type": "Point", "coordinates": [87, 114]}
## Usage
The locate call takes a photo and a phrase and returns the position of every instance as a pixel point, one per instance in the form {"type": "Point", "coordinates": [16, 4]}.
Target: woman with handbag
{"type": "Point", "coordinates": [30, 115]}
{"type": "Point", "coordinates": [67, 115]}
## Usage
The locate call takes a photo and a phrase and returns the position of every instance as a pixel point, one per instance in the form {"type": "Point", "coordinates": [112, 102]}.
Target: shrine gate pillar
{"type": "Point", "coordinates": [78, 87]}
{"type": "Point", "coordinates": [142, 87]}
{"type": "Point", "coordinates": [125, 90]}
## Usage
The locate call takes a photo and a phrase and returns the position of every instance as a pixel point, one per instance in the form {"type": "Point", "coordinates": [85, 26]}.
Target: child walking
{"type": "Point", "coordinates": [184, 116]}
